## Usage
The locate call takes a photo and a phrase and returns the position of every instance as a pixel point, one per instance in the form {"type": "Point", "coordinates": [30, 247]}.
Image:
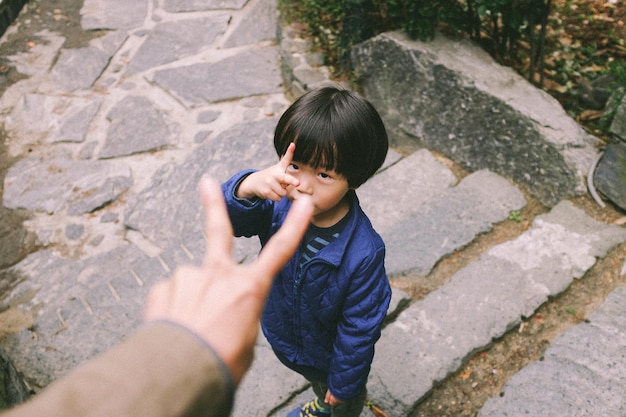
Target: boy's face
{"type": "Point", "coordinates": [326, 188]}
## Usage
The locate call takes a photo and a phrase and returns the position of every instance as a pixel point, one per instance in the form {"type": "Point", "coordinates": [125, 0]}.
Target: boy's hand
{"type": "Point", "coordinates": [270, 183]}
{"type": "Point", "coordinates": [331, 399]}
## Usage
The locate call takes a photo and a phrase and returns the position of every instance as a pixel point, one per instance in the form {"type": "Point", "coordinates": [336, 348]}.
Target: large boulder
{"type": "Point", "coordinates": [451, 97]}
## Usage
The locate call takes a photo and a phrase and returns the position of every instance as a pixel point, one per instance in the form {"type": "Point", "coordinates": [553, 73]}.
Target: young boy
{"type": "Point", "coordinates": [326, 307]}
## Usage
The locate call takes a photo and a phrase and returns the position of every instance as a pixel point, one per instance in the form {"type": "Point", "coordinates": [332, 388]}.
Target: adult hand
{"type": "Point", "coordinates": [221, 300]}
{"type": "Point", "coordinates": [270, 183]}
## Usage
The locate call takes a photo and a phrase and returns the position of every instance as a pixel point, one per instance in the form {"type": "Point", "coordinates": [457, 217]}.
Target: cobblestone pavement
{"type": "Point", "coordinates": [112, 137]}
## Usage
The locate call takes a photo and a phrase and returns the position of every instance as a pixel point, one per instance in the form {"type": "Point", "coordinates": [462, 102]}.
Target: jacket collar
{"type": "Point", "coordinates": [335, 252]}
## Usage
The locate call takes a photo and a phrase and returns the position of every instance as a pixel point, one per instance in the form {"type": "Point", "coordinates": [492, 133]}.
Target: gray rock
{"type": "Point", "coordinates": [113, 14]}
{"type": "Point", "coordinates": [433, 337]}
{"type": "Point", "coordinates": [136, 126]}
{"type": "Point", "coordinates": [201, 136]}
{"type": "Point", "coordinates": [110, 42]}
{"type": "Point", "coordinates": [53, 185]}
{"type": "Point", "coordinates": [233, 77]}
{"type": "Point", "coordinates": [397, 192]}
{"type": "Point", "coordinates": [53, 119]}
{"type": "Point", "coordinates": [596, 93]}
{"type": "Point", "coordinates": [618, 125]}
{"type": "Point", "coordinates": [453, 98]}
{"type": "Point", "coordinates": [258, 24]}
{"type": "Point", "coordinates": [170, 41]}
{"type": "Point", "coordinates": [157, 213]}
{"type": "Point", "coordinates": [449, 222]}
{"type": "Point", "coordinates": [175, 6]}
{"type": "Point", "coordinates": [84, 307]}
{"type": "Point", "coordinates": [33, 116]}
{"type": "Point", "coordinates": [109, 217]}
{"type": "Point", "coordinates": [74, 124]}
{"type": "Point", "coordinates": [78, 69]}
{"type": "Point", "coordinates": [13, 390]}
{"type": "Point", "coordinates": [208, 116]}
{"type": "Point", "coordinates": [74, 231]}
{"type": "Point", "coordinates": [582, 372]}
{"type": "Point", "coordinates": [610, 174]}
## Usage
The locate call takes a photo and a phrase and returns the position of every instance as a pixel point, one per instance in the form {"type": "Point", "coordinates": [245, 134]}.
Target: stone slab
{"type": "Point", "coordinates": [79, 308]}
{"type": "Point", "coordinates": [157, 213]}
{"type": "Point", "coordinates": [257, 25]}
{"type": "Point", "coordinates": [28, 117]}
{"type": "Point", "coordinates": [37, 117]}
{"type": "Point", "coordinates": [73, 125]}
{"type": "Point", "coordinates": [137, 125]}
{"type": "Point", "coordinates": [113, 14]}
{"type": "Point", "coordinates": [582, 373]}
{"type": "Point", "coordinates": [233, 77]}
{"type": "Point", "coordinates": [397, 193]}
{"type": "Point", "coordinates": [433, 337]}
{"type": "Point", "coordinates": [448, 222]}
{"type": "Point", "coordinates": [78, 69]}
{"type": "Point", "coordinates": [171, 41]}
{"type": "Point", "coordinates": [57, 184]}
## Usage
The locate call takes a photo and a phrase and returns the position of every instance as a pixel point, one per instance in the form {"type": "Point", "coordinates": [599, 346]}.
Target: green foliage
{"type": "Point", "coordinates": [516, 216]}
{"type": "Point", "coordinates": [338, 25]}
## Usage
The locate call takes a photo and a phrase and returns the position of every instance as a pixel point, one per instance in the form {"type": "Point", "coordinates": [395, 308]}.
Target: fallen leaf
{"type": "Point", "coordinates": [620, 221]}
{"type": "Point", "coordinates": [588, 115]}
{"type": "Point", "coordinates": [376, 410]}
{"type": "Point", "coordinates": [466, 374]}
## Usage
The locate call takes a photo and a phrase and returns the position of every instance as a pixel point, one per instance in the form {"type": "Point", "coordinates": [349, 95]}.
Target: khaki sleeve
{"type": "Point", "coordinates": [162, 371]}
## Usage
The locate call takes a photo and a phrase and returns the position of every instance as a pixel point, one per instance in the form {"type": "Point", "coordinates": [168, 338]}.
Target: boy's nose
{"type": "Point", "coordinates": [305, 185]}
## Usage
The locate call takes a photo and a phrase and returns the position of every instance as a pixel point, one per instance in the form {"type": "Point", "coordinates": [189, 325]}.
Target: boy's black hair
{"type": "Point", "coordinates": [337, 130]}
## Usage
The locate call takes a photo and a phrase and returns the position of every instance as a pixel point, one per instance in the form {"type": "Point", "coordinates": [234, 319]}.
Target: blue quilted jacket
{"type": "Point", "coordinates": [329, 316]}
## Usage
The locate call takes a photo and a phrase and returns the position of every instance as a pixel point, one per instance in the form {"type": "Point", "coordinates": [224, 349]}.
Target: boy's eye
{"type": "Point", "coordinates": [324, 175]}
{"type": "Point", "coordinates": [294, 166]}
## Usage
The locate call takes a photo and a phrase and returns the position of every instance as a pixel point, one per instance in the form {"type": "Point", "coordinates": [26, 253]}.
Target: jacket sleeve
{"type": "Point", "coordinates": [360, 326]}
{"type": "Point", "coordinates": [162, 371]}
{"type": "Point", "coordinates": [248, 217]}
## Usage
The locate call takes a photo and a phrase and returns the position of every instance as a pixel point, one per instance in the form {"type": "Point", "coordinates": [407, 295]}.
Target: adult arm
{"type": "Point", "coordinates": [162, 371]}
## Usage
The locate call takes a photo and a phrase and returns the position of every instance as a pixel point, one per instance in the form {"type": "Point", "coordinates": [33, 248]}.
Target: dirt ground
{"type": "Point", "coordinates": [484, 374]}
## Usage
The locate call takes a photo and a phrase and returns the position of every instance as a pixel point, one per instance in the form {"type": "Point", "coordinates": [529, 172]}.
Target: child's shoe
{"type": "Point", "coordinates": [310, 409]}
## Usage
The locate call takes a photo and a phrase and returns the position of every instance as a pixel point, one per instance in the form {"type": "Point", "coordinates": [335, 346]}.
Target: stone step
{"type": "Point", "coordinates": [433, 337]}
{"type": "Point", "coordinates": [423, 215]}
{"type": "Point", "coordinates": [582, 373]}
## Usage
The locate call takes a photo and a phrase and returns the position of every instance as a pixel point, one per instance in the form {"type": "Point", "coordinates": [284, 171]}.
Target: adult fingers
{"type": "Point", "coordinates": [158, 301]}
{"type": "Point", "coordinates": [218, 229]}
{"type": "Point", "coordinates": [284, 243]}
